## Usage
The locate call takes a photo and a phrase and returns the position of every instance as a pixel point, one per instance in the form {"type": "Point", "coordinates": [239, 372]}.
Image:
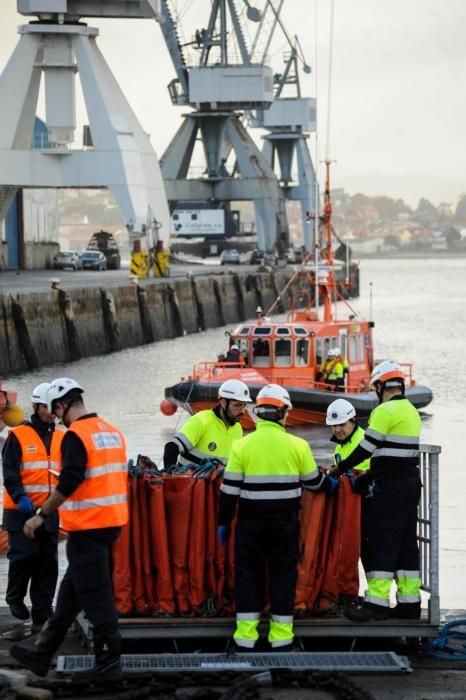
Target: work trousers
{"type": "Point", "coordinates": [33, 563]}
{"type": "Point", "coordinates": [393, 550]}
{"type": "Point", "coordinates": [87, 583]}
{"type": "Point", "coordinates": [273, 542]}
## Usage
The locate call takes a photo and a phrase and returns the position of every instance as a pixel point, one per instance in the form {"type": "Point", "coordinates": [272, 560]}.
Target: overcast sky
{"type": "Point", "coordinates": [398, 98]}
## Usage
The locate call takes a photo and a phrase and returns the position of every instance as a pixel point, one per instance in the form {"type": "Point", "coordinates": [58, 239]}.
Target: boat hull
{"type": "Point", "coordinates": [309, 405]}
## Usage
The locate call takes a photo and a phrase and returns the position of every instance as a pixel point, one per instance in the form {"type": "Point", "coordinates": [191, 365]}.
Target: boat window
{"type": "Point", "coordinates": [360, 347]}
{"type": "Point", "coordinates": [244, 330]}
{"type": "Point", "coordinates": [262, 330]}
{"type": "Point", "coordinates": [300, 331]}
{"type": "Point", "coordinates": [335, 343]}
{"type": "Point", "coordinates": [282, 331]}
{"type": "Point", "coordinates": [261, 353]}
{"type": "Point", "coordinates": [325, 348]}
{"type": "Point", "coordinates": [353, 357]}
{"type": "Point", "coordinates": [302, 352]}
{"type": "Point", "coordinates": [283, 349]}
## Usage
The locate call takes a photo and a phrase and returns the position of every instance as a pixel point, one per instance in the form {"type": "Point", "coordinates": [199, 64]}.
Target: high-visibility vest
{"type": "Point", "coordinates": [342, 451]}
{"type": "Point", "coordinates": [204, 436]}
{"type": "Point", "coordinates": [334, 368]}
{"type": "Point", "coordinates": [101, 500]}
{"type": "Point", "coordinates": [37, 479]}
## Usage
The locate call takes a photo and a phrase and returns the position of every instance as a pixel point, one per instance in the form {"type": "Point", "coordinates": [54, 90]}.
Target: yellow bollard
{"type": "Point", "coordinates": [140, 265]}
{"type": "Point", "coordinates": [161, 267]}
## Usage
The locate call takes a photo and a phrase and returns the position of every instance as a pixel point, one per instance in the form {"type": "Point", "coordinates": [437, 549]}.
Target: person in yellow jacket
{"type": "Point", "coordinates": [391, 442]}
{"type": "Point", "coordinates": [91, 496]}
{"type": "Point", "coordinates": [31, 460]}
{"type": "Point", "coordinates": [347, 434]}
{"type": "Point", "coordinates": [264, 476]}
{"type": "Point", "coordinates": [334, 369]}
{"type": "Point", "coordinates": [211, 433]}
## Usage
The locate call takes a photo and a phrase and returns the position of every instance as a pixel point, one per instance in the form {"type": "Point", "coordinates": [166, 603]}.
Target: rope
{"type": "Point", "coordinates": [442, 647]}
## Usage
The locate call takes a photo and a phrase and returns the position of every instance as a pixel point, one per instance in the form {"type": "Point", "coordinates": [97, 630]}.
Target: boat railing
{"type": "Point", "coordinates": [428, 528]}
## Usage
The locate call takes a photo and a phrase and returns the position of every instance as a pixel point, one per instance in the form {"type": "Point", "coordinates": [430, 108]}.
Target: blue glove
{"type": "Point", "coordinates": [26, 507]}
{"type": "Point", "coordinates": [332, 485]}
{"type": "Point", "coordinates": [223, 534]}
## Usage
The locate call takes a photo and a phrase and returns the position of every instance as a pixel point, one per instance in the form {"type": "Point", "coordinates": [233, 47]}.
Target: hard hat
{"type": "Point", "coordinates": [340, 411]}
{"type": "Point", "coordinates": [39, 394]}
{"type": "Point", "coordinates": [388, 372]}
{"type": "Point", "coordinates": [273, 395]}
{"type": "Point", "coordinates": [334, 352]}
{"type": "Point", "coordinates": [234, 347]}
{"type": "Point", "coordinates": [234, 389]}
{"type": "Point", "coordinates": [59, 388]}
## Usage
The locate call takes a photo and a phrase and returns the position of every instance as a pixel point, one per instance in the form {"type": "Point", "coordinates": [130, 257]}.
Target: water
{"type": "Point", "coordinates": [419, 314]}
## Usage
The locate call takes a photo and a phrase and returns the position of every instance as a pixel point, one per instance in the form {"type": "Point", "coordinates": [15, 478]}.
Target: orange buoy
{"type": "Point", "coordinates": [168, 408]}
{"type": "Point", "coordinates": [13, 415]}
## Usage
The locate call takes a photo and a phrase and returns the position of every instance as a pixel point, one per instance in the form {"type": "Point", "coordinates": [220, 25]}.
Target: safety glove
{"type": "Point", "coordinates": [224, 532]}
{"type": "Point", "coordinates": [26, 507]}
{"type": "Point", "coordinates": [332, 485]}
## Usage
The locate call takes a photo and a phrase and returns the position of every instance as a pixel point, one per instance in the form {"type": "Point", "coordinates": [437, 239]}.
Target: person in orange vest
{"type": "Point", "coordinates": [91, 496]}
{"type": "Point", "coordinates": [31, 459]}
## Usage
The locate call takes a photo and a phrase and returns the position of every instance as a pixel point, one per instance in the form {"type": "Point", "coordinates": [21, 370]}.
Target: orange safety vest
{"type": "Point", "coordinates": [101, 500]}
{"type": "Point", "coordinates": [37, 479]}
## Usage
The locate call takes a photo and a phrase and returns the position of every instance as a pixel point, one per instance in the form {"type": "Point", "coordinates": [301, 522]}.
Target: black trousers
{"type": "Point", "coordinates": [392, 525]}
{"type": "Point", "coordinates": [260, 543]}
{"type": "Point", "coordinates": [33, 563]}
{"type": "Point", "coordinates": [87, 583]}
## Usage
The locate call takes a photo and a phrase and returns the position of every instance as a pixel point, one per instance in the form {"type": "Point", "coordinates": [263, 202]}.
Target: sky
{"type": "Point", "coordinates": [398, 97]}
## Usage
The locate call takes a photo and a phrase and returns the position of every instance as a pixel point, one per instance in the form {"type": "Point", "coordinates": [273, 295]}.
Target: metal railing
{"type": "Point", "coordinates": [428, 528]}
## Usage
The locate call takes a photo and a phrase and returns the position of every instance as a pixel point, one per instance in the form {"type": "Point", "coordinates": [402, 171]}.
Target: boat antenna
{"type": "Point", "coordinates": [370, 301]}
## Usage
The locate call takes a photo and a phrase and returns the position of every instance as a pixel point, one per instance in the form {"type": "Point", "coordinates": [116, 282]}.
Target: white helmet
{"type": "Point", "coordinates": [334, 352]}
{"type": "Point", "coordinates": [340, 411]}
{"type": "Point", "coordinates": [60, 387]}
{"type": "Point", "coordinates": [234, 389]}
{"type": "Point", "coordinates": [389, 373]}
{"type": "Point", "coordinates": [39, 394]}
{"type": "Point", "coordinates": [234, 347]}
{"type": "Point", "coordinates": [273, 395]}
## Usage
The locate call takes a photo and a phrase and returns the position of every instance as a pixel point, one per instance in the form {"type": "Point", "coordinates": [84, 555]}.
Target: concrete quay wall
{"type": "Point", "coordinates": [38, 329]}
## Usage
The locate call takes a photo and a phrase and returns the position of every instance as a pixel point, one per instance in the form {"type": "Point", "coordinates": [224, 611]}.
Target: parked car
{"type": "Point", "coordinates": [93, 260]}
{"type": "Point", "coordinates": [67, 260]}
{"type": "Point", "coordinates": [257, 257]}
{"type": "Point", "coordinates": [229, 257]}
{"type": "Point", "coordinates": [106, 243]}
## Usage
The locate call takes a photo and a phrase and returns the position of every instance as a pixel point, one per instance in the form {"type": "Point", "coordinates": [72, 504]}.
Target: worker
{"type": "Point", "coordinates": [334, 369]}
{"type": "Point", "coordinates": [31, 459]}
{"type": "Point", "coordinates": [347, 434]}
{"type": "Point", "coordinates": [91, 496]}
{"type": "Point", "coordinates": [264, 476]}
{"type": "Point", "coordinates": [391, 442]}
{"type": "Point", "coordinates": [233, 354]}
{"type": "Point", "coordinates": [212, 432]}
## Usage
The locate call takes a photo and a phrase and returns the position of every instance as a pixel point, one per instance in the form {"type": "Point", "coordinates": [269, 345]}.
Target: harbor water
{"type": "Point", "coordinates": [418, 306]}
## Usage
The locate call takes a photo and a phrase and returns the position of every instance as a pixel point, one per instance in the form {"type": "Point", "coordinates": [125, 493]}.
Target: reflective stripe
{"type": "Point", "coordinates": [106, 440]}
{"type": "Point", "coordinates": [283, 619]}
{"type": "Point", "coordinates": [246, 634]}
{"type": "Point", "coordinates": [383, 602]}
{"type": "Point", "coordinates": [246, 643]}
{"type": "Point", "coordinates": [312, 485]}
{"type": "Point", "coordinates": [37, 488]}
{"type": "Point", "coordinates": [402, 439]}
{"type": "Point", "coordinates": [309, 476]}
{"type": "Point", "coordinates": [233, 476]}
{"type": "Point", "coordinates": [395, 452]}
{"type": "Point", "coordinates": [183, 441]}
{"type": "Point", "coordinates": [379, 589]}
{"type": "Point", "coordinates": [368, 446]}
{"type": "Point", "coordinates": [408, 598]}
{"type": "Point", "coordinates": [94, 503]}
{"type": "Point", "coordinates": [371, 433]}
{"type": "Point", "coordinates": [231, 490]}
{"type": "Point", "coordinates": [380, 574]}
{"type": "Point", "coordinates": [401, 573]}
{"type": "Point", "coordinates": [248, 616]}
{"type": "Point", "coordinates": [42, 464]}
{"type": "Point", "coordinates": [281, 633]}
{"type": "Point", "coordinates": [269, 495]}
{"type": "Point", "coordinates": [106, 469]}
{"type": "Point", "coordinates": [270, 479]}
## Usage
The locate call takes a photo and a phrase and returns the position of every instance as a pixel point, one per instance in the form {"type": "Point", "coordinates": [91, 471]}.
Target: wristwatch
{"type": "Point", "coordinates": [40, 511]}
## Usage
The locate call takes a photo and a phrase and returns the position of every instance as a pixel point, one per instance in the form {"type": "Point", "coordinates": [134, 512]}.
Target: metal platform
{"type": "Point", "coordinates": [367, 662]}
{"type": "Point", "coordinates": [172, 628]}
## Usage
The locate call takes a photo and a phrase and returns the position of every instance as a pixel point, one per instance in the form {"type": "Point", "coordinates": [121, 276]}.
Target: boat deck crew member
{"type": "Point", "coordinates": [347, 434]}
{"type": "Point", "coordinates": [92, 497]}
{"type": "Point", "coordinates": [31, 456]}
{"type": "Point", "coordinates": [210, 433]}
{"type": "Point", "coordinates": [392, 443]}
{"type": "Point", "coordinates": [334, 369]}
{"type": "Point", "coordinates": [264, 476]}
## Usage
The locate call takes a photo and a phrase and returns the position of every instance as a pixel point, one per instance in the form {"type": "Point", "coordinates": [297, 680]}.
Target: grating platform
{"type": "Point", "coordinates": [355, 661]}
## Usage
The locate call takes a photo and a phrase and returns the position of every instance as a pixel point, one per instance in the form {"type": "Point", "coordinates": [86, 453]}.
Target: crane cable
{"type": "Point", "coordinates": [330, 76]}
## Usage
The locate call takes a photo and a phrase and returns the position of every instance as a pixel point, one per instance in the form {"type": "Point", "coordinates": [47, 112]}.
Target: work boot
{"type": "Point", "coordinates": [406, 611]}
{"type": "Point", "coordinates": [19, 610]}
{"type": "Point", "coordinates": [37, 658]}
{"type": "Point", "coordinates": [107, 667]}
{"type": "Point", "coordinates": [365, 612]}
